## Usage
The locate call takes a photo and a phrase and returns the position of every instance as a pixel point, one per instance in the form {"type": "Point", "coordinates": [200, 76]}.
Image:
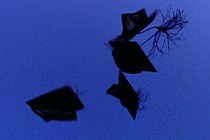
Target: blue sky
{"type": "Point", "coordinates": [46, 44]}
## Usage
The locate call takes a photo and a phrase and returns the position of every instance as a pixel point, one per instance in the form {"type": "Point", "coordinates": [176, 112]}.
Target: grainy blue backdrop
{"type": "Point", "coordinates": [45, 44]}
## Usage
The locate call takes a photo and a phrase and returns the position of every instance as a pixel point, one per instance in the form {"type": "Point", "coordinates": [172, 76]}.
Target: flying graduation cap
{"type": "Point", "coordinates": [126, 94]}
{"type": "Point", "coordinates": [130, 58]}
{"type": "Point", "coordinates": [60, 104]}
{"type": "Point", "coordinates": [133, 23]}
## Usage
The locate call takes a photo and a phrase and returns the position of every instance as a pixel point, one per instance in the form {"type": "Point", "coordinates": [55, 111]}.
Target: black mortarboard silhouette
{"type": "Point", "coordinates": [130, 58]}
{"type": "Point", "coordinates": [126, 94]}
{"type": "Point", "coordinates": [133, 23]}
{"type": "Point", "coordinates": [60, 104]}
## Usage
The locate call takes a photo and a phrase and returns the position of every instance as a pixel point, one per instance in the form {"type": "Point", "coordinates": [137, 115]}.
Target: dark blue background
{"type": "Point", "coordinates": [45, 44]}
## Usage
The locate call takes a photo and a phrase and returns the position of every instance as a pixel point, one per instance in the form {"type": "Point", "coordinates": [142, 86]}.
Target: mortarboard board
{"type": "Point", "coordinates": [133, 23]}
{"type": "Point", "coordinates": [130, 58]}
{"type": "Point", "coordinates": [60, 104]}
{"type": "Point", "coordinates": [126, 94]}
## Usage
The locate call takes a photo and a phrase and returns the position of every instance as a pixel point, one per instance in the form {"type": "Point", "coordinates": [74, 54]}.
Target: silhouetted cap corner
{"type": "Point", "coordinates": [153, 15]}
{"type": "Point", "coordinates": [134, 116]}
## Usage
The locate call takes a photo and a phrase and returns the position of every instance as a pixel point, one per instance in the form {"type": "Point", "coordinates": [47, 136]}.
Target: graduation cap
{"type": "Point", "coordinates": [130, 58]}
{"type": "Point", "coordinates": [126, 94]}
{"type": "Point", "coordinates": [60, 104]}
{"type": "Point", "coordinates": [133, 23]}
